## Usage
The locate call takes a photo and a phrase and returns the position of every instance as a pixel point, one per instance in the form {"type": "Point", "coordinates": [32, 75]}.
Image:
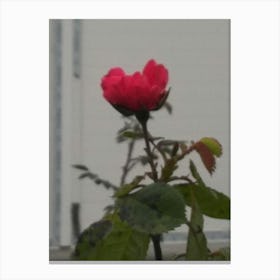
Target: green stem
{"type": "Point", "coordinates": [149, 152]}
{"type": "Point", "coordinates": [156, 237]}
{"type": "Point", "coordinates": [143, 118]}
{"type": "Point", "coordinates": [128, 159]}
{"type": "Point", "coordinates": [157, 248]}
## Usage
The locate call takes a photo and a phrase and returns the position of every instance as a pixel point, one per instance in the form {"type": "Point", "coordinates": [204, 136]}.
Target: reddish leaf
{"type": "Point", "coordinates": [206, 156]}
{"type": "Point", "coordinates": [213, 145]}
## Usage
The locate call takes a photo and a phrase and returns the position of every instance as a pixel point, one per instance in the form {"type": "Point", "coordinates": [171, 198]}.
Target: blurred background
{"type": "Point", "coordinates": [83, 126]}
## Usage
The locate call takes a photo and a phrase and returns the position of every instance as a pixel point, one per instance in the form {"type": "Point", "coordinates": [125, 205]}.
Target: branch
{"type": "Point", "coordinates": [126, 167]}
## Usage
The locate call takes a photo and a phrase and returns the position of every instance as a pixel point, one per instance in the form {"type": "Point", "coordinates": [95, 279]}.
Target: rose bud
{"type": "Point", "coordinates": [136, 93]}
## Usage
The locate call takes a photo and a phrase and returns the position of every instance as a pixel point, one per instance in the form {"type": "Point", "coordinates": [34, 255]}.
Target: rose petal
{"type": "Point", "coordinates": [156, 74]}
{"type": "Point", "coordinates": [117, 71]}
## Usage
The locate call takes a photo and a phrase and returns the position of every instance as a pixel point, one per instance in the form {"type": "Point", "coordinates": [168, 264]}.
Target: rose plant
{"type": "Point", "coordinates": [156, 201]}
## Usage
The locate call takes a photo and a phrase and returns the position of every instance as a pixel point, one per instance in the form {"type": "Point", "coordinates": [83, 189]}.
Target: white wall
{"type": "Point", "coordinates": [197, 54]}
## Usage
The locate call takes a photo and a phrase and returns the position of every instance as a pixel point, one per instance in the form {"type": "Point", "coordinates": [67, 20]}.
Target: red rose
{"type": "Point", "coordinates": [144, 91]}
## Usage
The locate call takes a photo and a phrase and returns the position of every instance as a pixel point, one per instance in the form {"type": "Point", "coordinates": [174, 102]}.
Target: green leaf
{"type": "Point", "coordinates": [154, 209]}
{"type": "Point", "coordinates": [195, 173]}
{"type": "Point", "coordinates": [89, 238]}
{"type": "Point", "coordinates": [131, 126]}
{"type": "Point", "coordinates": [98, 180]}
{"type": "Point", "coordinates": [127, 188]}
{"type": "Point", "coordinates": [80, 167]}
{"type": "Point", "coordinates": [168, 169]}
{"type": "Point", "coordinates": [213, 145]}
{"type": "Point", "coordinates": [211, 202]}
{"type": "Point", "coordinates": [132, 134]}
{"type": "Point", "coordinates": [143, 159]}
{"type": "Point", "coordinates": [87, 175]}
{"type": "Point", "coordinates": [112, 240]}
{"type": "Point", "coordinates": [197, 242]}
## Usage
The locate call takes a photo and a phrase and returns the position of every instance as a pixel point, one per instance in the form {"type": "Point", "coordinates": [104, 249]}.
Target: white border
{"type": "Point", "coordinates": [254, 139]}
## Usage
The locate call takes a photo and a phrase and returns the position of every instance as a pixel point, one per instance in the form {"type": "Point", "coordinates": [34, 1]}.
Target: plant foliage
{"type": "Point", "coordinates": [110, 240]}
{"type": "Point", "coordinates": [154, 209]}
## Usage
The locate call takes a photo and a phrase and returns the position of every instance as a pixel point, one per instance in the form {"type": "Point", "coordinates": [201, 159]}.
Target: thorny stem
{"type": "Point", "coordinates": [155, 237]}
{"type": "Point", "coordinates": [128, 159]}
{"type": "Point", "coordinates": [190, 149]}
{"type": "Point", "coordinates": [148, 150]}
{"type": "Point", "coordinates": [157, 148]}
{"type": "Point", "coordinates": [143, 117]}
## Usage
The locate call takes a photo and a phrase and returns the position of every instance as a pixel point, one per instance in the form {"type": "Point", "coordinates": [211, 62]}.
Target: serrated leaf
{"type": "Point", "coordinates": [127, 188]}
{"type": "Point", "coordinates": [213, 145]}
{"type": "Point", "coordinates": [197, 242]}
{"type": "Point", "coordinates": [109, 209]}
{"type": "Point", "coordinates": [97, 180]}
{"type": "Point", "coordinates": [168, 169]}
{"type": "Point", "coordinates": [87, 175]}
{"type": "Point", "coordinates": [116, 242]}
{"type": "Point", "coordinates": [89, 238]}
{"type": "Point", "coordinates": [195, 173]}
{"type": "Point", "coordinates": [80, 167]}
{"type": "Point", "coordinates": [211, 202]}
{"type": "Point", "coordinates": [154, 209]}
{"type": "Point", "coordinates": [206, 156]}
{"type": "Point", "coordinates": [143, 159]}
{"type": "Point", "coordinates": [132, 134]}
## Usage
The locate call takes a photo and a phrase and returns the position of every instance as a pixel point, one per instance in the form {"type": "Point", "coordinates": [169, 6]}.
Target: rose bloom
{"type": "Point", "coordinates": [141, 91]}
